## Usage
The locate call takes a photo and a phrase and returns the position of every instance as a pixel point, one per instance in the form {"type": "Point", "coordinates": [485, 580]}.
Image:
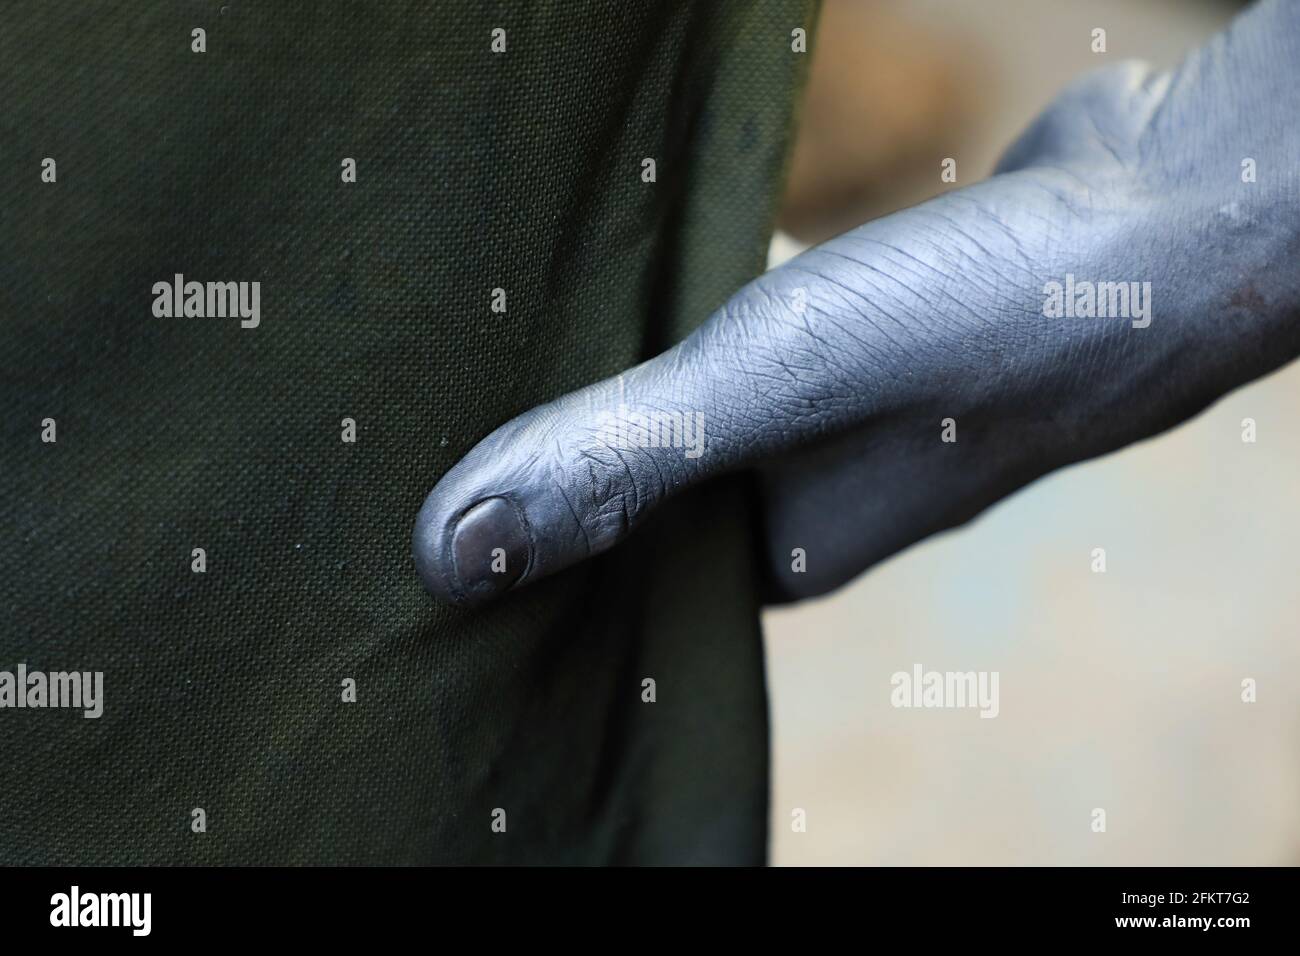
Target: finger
{"type": "Point", "coordinates": [571, 478]}
{"type": "Point", "coordinates": [876, 324]}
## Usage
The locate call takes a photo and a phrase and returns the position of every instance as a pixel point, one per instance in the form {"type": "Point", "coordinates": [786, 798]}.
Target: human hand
{"type": "Point", "coordinates": [836, 376]}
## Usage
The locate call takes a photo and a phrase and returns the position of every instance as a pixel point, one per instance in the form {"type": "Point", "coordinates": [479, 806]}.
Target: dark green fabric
{"type": "Point", "coordinates": [222, 690]}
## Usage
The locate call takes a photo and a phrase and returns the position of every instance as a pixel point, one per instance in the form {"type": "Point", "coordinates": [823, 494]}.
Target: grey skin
{"type": "Point", "coordinates": [936, 312]}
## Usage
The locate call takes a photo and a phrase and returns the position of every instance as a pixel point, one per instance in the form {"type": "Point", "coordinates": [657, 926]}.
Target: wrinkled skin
{"type": "Point", "coordinates": [937, 312]}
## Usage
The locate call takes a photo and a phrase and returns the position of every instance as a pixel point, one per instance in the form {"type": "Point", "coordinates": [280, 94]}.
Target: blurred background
{"type": "Point", "coordinates": [1119, 690]}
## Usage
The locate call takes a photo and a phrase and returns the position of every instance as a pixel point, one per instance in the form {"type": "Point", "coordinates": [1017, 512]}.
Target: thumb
{"type": "Point", "coordinates": [889, 321]}
{"type": "Point", "coordinates": [571, 478]}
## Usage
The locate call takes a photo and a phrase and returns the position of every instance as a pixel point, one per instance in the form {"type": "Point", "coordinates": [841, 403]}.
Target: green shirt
{"type": "Point", "coordinates": [224, 689]}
